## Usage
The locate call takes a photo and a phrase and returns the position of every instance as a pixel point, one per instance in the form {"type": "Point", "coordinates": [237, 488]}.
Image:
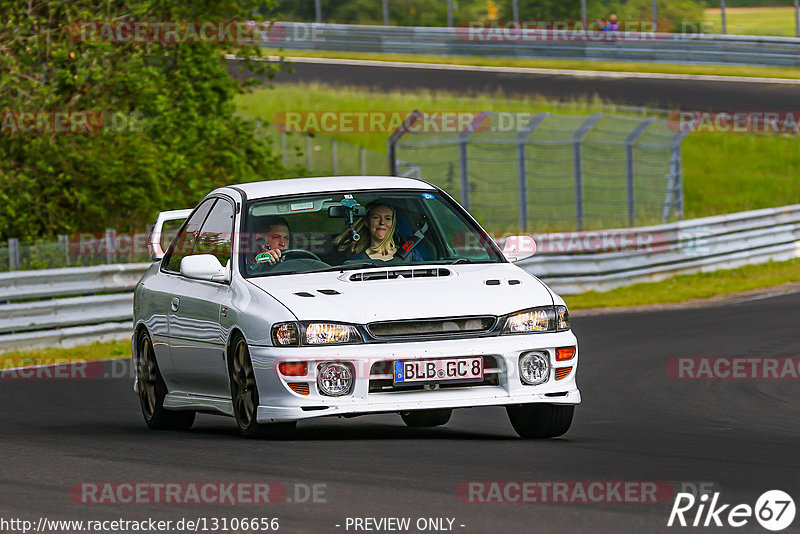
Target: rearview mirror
{"type": "Point", "coordinates": [339, 212]}
{"type": "Point", "coordinates": [204, 267]}
{"type": "Point", "coordinates": [519, 247]}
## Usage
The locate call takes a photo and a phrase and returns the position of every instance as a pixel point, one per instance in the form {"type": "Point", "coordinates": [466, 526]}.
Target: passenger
{"type": "Point", "coordinates": [272, 240]}
{"type": "Point", "coordinates": [381, 224]}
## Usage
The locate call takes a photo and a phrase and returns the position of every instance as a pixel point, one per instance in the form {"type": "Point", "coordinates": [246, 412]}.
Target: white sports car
{"type": "Point", "coordinates": [290, 299]}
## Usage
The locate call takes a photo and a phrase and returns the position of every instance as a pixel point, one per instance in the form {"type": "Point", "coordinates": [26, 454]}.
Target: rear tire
{"type": "Point", "coordinates": [426, 418]}
{"type": "Point", "coordinates": [245, 398]}
{"type": "Point", "coordinates": [152, 389]}
{"type": "Point", "coordinates": [540, 421]}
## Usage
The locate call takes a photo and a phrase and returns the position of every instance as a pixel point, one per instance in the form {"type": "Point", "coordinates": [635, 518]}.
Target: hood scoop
{"type": "Point", "coordinates": [435, 272]}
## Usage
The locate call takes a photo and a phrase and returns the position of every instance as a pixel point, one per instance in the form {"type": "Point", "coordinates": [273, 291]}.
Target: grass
{"type": "Point", "coordinates": [84, 353]}
{"type": "Point", "coordinates": [778, 21]}
{"type": "Point", "coordinates": [723, 172]}
{"type": "Point", "coordinates": [687, 287]}
{"type": "Point", "coordinates": [572, 64]}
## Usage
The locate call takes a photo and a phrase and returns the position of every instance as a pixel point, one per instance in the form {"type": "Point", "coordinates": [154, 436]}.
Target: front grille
{"type": "Point", "coordinates": [428, 327]}
{"type": "Point", "coordinates": [381, 377]}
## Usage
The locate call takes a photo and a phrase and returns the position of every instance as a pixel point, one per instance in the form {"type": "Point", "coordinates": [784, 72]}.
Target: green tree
{"type": "Point", "coordinates": [184, 141]}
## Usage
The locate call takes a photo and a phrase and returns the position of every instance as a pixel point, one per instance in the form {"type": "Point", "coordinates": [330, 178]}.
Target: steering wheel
{"type": "Point", "coordinates": [296, 253]}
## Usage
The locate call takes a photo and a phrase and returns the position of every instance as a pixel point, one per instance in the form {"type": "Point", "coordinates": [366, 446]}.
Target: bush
{"type": "Point", "coordinates": [184, 141]}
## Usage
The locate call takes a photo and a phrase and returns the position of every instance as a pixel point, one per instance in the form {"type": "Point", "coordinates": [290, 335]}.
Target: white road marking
{"type": "Point", "coordinates": [534, 70]}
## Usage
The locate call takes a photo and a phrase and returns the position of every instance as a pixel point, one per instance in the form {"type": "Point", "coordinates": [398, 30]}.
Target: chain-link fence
{"type": "Point", "coordinates": [551, 172]}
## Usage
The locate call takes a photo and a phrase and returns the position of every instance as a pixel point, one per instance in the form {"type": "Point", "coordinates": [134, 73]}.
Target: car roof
{"type": "Point", "coordinates": [323, 184]}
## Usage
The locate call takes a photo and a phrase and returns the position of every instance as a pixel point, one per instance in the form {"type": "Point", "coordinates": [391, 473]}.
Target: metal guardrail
{"type": "Point", "coordinates": [461, 41]}
{"type": "Point", "coordinates": [96, 302]}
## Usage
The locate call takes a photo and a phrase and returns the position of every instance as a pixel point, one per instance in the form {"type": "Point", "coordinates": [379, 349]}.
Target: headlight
{"type": "Point", "coordinates": [294, 334]}
{"type": "Point", "coordinates": [544, 319]}
{"type": "Point", "coordinates": [326, 333]}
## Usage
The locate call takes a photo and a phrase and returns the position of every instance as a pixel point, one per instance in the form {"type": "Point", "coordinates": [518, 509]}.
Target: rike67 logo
{"type": "Point", "coordinates": [774, 510]}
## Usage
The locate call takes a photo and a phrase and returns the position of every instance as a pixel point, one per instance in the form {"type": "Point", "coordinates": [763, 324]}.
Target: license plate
{"type": "Point", "coordinates": [413, 371]}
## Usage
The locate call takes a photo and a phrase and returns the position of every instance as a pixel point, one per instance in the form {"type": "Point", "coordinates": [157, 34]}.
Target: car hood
{"type": "Point", "coordinates": [338, 296]}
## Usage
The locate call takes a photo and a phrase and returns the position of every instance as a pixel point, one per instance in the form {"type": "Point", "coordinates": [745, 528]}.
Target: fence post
{"type": "Point", "coordinates": [629, 171]}
{"type": "Point", "coordinates": [724, 17]}
{"type": "Point", "coordinates": [63, 241]}
{"type": "Point", "coordinates": [308, 152]}
{"type": "Point", "coordinates": [449, 13]}
{"type": "Point", "coordinates": [797, 18]}
{"type": "Point", "coordinates": [283, 149]}
{"type": "Point", "coordinates": [385, 12]}
{"type": "Point", "coordinates": [362, 157]}
{"type": "Point", "coordinates": [334, 158]}
{"type": "Point", "coordinates": [577, 139]}
{"type": "Point", "coordinates": [515, 10]}
{"type": "Point", "coordinates": [463, 158]}
{"type": "Point", "coordinates": [391, 143]}
{"type": "Point", "coordinates": [318, 9]}
{"type": "Point", "coordinates": [109, 239]}
{"type": "Point", "coordinates": [13, 254]}
{"type": "Point", "coordinates": [522, 167]}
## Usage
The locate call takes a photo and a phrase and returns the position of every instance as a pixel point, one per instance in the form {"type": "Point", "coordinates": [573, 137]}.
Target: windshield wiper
{"type": "Point", "coordinates": [460, 260]}
{"type": "Point", "coordinates": [346, 267]}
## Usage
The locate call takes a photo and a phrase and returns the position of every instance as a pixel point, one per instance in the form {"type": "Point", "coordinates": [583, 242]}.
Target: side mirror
{"type": "Point", "coordinates": [204, 267]}
{"type": "Point", "coordinates": [519, 247]}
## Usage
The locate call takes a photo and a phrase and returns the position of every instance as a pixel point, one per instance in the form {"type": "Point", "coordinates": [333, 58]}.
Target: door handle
{"type": "Point", "coordinates": [176, 303]}
{"type": "Point", "coordinates": [224, 311]}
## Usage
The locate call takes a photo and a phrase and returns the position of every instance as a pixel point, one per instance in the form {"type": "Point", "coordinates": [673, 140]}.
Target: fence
{"type": "Point", "coordinates": [326, 156]}
{"type": "Point", "coordinates": [83, 249]}
{"type": "Point", "coordinates": [551, 172]}
{"type": "Point", "coordinates": [90, 303]}
{"type": "Point", "coordinates": [461, 41]}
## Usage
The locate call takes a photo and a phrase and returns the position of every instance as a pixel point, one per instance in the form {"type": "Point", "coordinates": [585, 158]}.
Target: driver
{"type": "Point", "coordinates": [272, 241]}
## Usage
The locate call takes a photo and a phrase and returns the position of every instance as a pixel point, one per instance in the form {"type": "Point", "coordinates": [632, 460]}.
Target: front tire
{"type": "Point", "coordinates": [541, 421]}
{"type": "Point", "coordinates": [152, 389]}
{"type": "Point", "coordinates": [426, 418]}
{"type": "Point", "coordinates": [245, 398]}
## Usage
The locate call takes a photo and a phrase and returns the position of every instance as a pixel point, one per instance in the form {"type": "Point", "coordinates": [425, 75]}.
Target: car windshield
{"type": "Point", "coordinates": [341, 231]}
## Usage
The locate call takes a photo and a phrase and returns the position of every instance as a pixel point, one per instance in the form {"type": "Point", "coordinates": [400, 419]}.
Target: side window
{"type": "Point", "coordinates": [457, 234]}
{"type": "Point", "coordinates": [184, 244]}
{"type": "Point", "coordinates": [216, 234]}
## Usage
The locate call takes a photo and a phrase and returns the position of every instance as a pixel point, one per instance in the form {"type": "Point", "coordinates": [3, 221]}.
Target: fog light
{"type": "Point", "coordinates": [534, 368]}
{"type": "Point", "coordinates": [334, 379]}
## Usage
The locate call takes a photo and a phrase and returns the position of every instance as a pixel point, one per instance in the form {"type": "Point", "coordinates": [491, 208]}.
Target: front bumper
{"type": "Point", "coordinates": [280, 403]}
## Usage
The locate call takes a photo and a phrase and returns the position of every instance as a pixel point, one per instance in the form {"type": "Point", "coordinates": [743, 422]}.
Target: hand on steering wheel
{"type": "Point", "coordinates": [296, 253]}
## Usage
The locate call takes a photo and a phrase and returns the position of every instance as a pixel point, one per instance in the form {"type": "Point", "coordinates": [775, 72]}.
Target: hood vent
{"type": "Point", "coordinates": [400, 273]}
{"type": "Point", "coordinates": [328, 291]}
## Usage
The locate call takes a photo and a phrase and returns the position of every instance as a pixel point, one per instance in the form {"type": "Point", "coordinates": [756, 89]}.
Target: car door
{"type": "Point", "coordinates": [197, 342]}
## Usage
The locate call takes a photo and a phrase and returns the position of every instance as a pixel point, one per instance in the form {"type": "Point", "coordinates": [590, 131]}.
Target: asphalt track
{"type": "Point", "coordinates": [704, 94]}
{"type": "Point", "coordinates": [635, 424]}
